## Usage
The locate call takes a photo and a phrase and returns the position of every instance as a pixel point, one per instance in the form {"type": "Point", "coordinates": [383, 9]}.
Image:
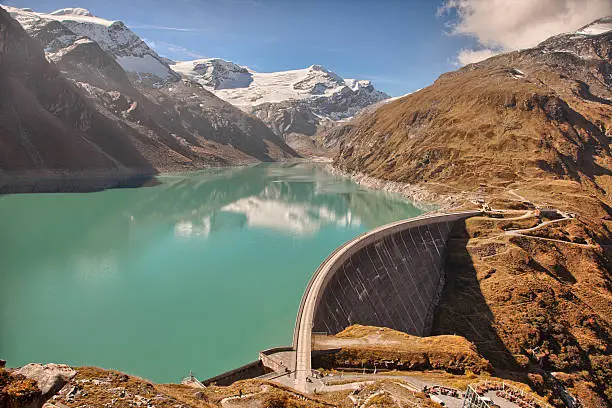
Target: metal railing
{"type": "Point", "coordinates": [475, 399]}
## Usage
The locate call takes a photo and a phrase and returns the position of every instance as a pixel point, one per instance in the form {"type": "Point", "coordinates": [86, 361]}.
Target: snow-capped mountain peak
{"type": "Point", "coordinates": [246, 88]}
{"type": "Point", "coordinates": [298, 101]}
{"type": "Point", "coordinates": [294, 101]}
{"type": "Point", "coordinates": [215, 73]}
{"type": "Point", "coordinates": [114, 37]}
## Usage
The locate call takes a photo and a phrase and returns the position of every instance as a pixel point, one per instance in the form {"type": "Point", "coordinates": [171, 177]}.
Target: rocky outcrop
{"type": "Point", "coordinates": [30, 386]}
{"type": "Point", "coordinates": [50, 378]}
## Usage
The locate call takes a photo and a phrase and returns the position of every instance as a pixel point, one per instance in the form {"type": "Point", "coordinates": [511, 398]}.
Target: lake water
{"type": "Point", "coordinates": [200, 272]}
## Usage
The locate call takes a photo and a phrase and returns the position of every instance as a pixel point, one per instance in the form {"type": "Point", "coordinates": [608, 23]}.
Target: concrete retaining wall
{"type": "Point", "coordinates": [245, 372]}
{"type": "Point", "coordinates": [270, 358]}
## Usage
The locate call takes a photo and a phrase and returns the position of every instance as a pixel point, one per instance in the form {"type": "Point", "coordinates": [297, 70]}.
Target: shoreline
{"type": "Point", "coordinates": [420, 196]}
{"type": "Point", "coordinates": [54, 181]}
{"type": "Point", "coordinates": [57, 181]}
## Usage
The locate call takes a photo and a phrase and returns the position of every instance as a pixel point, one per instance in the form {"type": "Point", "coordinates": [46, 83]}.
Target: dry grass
{"type": "Point", "coordinates": [367, 346]}
{"type": "Point", "coordinates": [96, 387]}
{"type": "Point", "coordinates": [522, 299]}
{"type": "Point", "coordinates": [527, 302]}
{"type": "Point", "coordinates": [16, 390]}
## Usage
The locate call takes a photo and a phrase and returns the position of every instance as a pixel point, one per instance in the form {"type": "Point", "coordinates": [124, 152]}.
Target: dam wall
{"type": "Point", "coordinates": [391, 277]}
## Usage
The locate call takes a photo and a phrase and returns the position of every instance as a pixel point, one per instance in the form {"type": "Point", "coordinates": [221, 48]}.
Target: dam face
{"type": "Point", "coordinates": [394, 282]}
{"type": "Point", "coordinates": [390, 277]}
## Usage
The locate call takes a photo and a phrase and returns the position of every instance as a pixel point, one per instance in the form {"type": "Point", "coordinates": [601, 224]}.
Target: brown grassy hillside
{"type": "Point", "coordinates": [366, 346]}
{"type": "Point", "coordinates": [524, 129]}
{"type": "Point", "coordinates": [534, 114]}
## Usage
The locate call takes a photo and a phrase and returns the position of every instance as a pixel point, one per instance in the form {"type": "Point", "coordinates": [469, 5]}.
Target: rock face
{"type": "Point", "coordinates": [49, 377]}
{"type": "Point", "coordinates": [301, 101]}
{"type": "Point", "coordinates": [168, 123]}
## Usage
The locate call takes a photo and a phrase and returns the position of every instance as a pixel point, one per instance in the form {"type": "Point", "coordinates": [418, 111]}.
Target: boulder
{"type": "Point", "coordinates": [50, 377]}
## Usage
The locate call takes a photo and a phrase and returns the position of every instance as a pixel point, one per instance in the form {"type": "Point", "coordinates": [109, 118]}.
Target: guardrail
{"type": "Point", "coordinates": [474, 397]}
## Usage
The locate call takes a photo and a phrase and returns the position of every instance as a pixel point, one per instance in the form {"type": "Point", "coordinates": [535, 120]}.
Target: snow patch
{"type": "Point", "coordinates": [596, 28]}
{"type": "Point", "coordinates": [77, 11]}
{"type": "Point", "coordinates": [78, 15]}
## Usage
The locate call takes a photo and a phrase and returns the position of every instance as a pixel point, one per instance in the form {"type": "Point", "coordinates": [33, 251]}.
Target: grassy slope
{"type": "Point", "coordinates": [542, 138]}
{"type": "Point", "coordinates": [372, 346]}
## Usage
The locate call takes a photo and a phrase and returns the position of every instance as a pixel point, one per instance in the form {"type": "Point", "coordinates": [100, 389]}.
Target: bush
{"type": "Point", "coordinates": [276, 400]}
{"type": "Point", "coordinates": [5, 378]}
{"type": "Point", "coordinates": [22, 390]}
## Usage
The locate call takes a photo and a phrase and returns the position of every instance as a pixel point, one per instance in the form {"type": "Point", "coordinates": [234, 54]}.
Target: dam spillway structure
{"type": "Point", "coordinates": [390, 277]}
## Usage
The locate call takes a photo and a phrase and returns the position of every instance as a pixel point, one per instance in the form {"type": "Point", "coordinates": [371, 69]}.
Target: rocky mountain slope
{"type": "Point", "coordinates": [297, 102]}
{"type": "Point", "coordinates": [175, 124]}
{"type": "Point", "coordinates": [49, 128]}
{"type": "Point", "coordinates": [64, 26]}
{"type": "Point", "coordinates": [293, 104]}
{"type": "Point", "coordinates": [539, 112]}
{"type": "Point", "coordinates": [523, 129]}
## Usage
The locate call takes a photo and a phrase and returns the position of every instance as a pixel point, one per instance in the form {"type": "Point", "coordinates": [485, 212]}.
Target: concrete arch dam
{"type": "Point", "coordinates": [391, 276]}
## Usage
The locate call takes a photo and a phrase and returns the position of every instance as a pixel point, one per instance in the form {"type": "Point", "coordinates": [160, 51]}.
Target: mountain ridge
{"type": "Point", "coordinates": [294, 104]}
{"type": "Point", "coordinates": [299, 102]}
{"type": "Point", "coordinates": [175, 124]}
{"type": "Point", "coordinates": [114, 37]}
{"type": "Point", "coordinates": [526, 130]}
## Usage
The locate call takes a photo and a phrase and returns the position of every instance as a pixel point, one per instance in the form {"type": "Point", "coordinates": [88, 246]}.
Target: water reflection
{"type": "Point", "coordinates": [295, 199]}
{"type": "Point", "coordinates": [110, 278]}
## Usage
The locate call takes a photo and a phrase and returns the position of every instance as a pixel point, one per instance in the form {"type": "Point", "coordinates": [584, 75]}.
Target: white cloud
{"type": "Point", "coordinates": [466, 56]}
{"type": "Point", "coordinates": [503, 25]}
{"type": "Point", "coordinates": [165, 28]}
{"type": "Point", "coordinates": [172, 51]}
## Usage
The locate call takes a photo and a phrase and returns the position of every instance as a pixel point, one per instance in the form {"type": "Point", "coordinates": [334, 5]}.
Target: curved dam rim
{"type": "Point", "coordinates": [312, 294]}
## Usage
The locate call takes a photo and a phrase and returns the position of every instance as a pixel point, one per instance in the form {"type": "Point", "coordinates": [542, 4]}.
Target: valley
{"type": "Point", "coordinates": [448, 244]}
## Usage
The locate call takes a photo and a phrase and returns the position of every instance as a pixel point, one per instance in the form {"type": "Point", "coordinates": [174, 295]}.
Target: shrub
{"type": "Point", "coordinates": [22, 390]}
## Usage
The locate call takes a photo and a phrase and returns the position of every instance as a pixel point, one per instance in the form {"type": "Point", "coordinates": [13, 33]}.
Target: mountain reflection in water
{"type": "Point", "coordinates": [199, 272]}
{"type": "Point", "coordinates": [296, 199]}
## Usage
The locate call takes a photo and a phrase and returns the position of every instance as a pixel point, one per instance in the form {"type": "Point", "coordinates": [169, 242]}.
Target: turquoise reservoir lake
{"type": "Point", "coordinates": [199, 272]}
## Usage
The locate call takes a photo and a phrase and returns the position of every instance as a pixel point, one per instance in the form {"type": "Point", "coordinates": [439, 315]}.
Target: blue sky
{"type": "Point", "coordinates": [401, 45]}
